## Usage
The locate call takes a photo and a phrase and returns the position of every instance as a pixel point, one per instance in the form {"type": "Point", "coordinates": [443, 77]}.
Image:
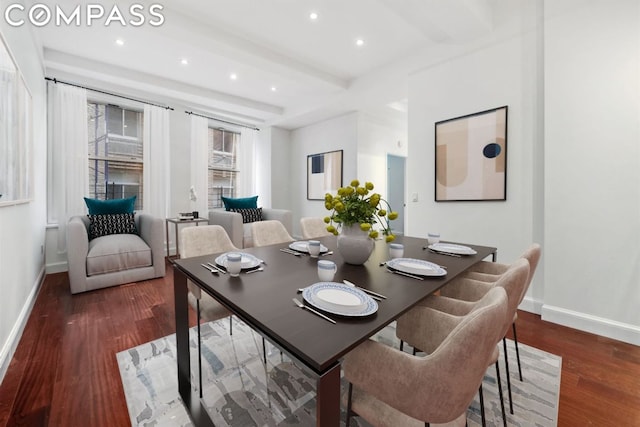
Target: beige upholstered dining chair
{"type": "Point", "coordinates": [490, 272]}
{"type": "Point", "coordinates": [389, 387]}
{"type": "Point", "coordinates": [269, 233]}
{"type": "Point", "coordinates": [512, 281]}
{"type": "Point", "coordinates": [313, 227]}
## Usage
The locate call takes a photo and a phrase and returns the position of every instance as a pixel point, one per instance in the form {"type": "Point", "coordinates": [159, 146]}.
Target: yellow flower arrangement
{"type": "Point", "coordinates": [356, 204]}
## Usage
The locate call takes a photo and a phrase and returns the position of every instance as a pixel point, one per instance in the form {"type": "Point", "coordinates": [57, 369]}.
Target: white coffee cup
{"type": "Point", "coordinates": [396, 250]}
{"type": "Point", "coordinates": [234, 264]}
{"type": "Point", "coordinates": [314, 248]}
{"type": "Point", "coordinates": [326, 270]}
{"type": "Point", "coordinates": [433, 238]}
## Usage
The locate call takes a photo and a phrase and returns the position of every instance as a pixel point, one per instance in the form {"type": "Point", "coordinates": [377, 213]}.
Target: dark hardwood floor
{"type": "Point", "coordinates": [64, 371]}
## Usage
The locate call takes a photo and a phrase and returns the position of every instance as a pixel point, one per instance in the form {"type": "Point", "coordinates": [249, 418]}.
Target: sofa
{"type": "Point", "coordinates": [239, 231]}
{"type": "Point", "coordinates": [114, 259]}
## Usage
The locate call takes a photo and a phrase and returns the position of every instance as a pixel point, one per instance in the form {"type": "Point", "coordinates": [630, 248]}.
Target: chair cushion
{"type": "Point", "coordinates": [249, 215]}
{"type": "Point", "coordinates": [117, 252]}
{"type": "Point", "coordinates": [104, 225]}
{"type": "Point", "coordinates": [115, 206]}
{"type": "Point", "coordinates": [240, 203]}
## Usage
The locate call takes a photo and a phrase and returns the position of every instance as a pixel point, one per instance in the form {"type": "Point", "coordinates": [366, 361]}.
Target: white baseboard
{"type": "Point", "coordinates": [596, 325]}
{"type": "Point", "coordinates": [531, 305]}
{"type": "Point", "coordinates": [58, 267]}
{"type": "Point", "coordinates": [9, 348]}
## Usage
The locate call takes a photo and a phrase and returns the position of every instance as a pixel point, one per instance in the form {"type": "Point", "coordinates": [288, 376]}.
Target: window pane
{"type": "Point", "coordinates": [223, 163]}
{"type": "Point", "coordinates": [115, 157]}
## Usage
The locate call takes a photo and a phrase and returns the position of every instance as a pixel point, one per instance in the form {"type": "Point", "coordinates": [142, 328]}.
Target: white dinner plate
{"type": "Point", "coordinates": [416, 266]}
{"type": "Point", "coordinates": [303, 246]}
{"type": "Point", "coordinates": [340, 299]}
{"type": "Point", "coordinates": [452, 248]}
{"type": "Point", "coordinates": [248, 261]}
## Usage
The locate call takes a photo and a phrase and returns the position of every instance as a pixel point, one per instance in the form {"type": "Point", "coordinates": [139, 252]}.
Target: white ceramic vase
{"type": "Point", "coordinates": [355, 245]}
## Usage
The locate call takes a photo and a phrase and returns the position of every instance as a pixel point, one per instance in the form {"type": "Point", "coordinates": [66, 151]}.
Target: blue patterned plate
{"type": "Point", "coordinates": [416, 266]}
{"type": "Point", "coordinates": [248, 261]}
{"type": "Point", "coordinates": [340, 299]}
{"type": "Point", "coordinates": [452, 248]}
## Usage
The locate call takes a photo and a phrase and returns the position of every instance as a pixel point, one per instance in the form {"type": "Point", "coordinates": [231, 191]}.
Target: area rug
{"type": "Point", "coordinates": [240, 390]}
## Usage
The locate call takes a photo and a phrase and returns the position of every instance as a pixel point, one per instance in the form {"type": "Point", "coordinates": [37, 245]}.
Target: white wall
{"type": "Point", "coordinates": [280, 165]}
{"type": "Point", "coordinates": [592, 161]}
{"type": "Point", "coordinates": [491, 77]}
{"type": "Point", "coordinates": [339, 133]}
{"type": "Point", "coordinates": [22, 227]}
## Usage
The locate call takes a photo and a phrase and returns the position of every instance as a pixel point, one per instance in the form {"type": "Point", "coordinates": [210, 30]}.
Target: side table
{"type": "Point", "coordinates": [176, 222]}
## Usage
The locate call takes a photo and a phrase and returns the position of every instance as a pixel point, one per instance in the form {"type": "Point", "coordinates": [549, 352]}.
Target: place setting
{"type": "Point", "coordinates": [310, 247]}
{"type": "Point", "coordinates": [442, 248]}
{"type": "Point", "coordinates": [341, 299]}
{"type": "Point", "coordinates": [417, 269]}
{"type": "Point", "coordinates": [235, 263]}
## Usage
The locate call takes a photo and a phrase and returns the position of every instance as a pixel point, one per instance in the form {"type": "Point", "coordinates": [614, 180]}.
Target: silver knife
{"type": "Point", "coordinates": [375, 295]}
{"type": "Point", "coordinates": [210, 269]}
{"type": "Point", "coordinates": [217, 268]}
{"type": "Point", "coordinates": [402, 273]}
{"type": "Point", "coordinates": [445, 253]}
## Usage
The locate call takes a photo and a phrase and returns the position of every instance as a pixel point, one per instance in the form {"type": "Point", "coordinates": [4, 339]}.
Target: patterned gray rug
{"type": "Point", "coordinates": [241, 391]}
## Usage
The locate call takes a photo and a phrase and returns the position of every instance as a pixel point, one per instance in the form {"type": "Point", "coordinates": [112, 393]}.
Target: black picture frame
{"type": "Point", "coordinates": [324, 173]}
{"type": "Point", "coordinates": [471, 157]}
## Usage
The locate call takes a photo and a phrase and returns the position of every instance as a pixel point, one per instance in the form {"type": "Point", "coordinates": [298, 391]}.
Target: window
{"type": "Point", "coordinates": [115, 152]}
{"type": "Point", "coordinates": [223, 165]}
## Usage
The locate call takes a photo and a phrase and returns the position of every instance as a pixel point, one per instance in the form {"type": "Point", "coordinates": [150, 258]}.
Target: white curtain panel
{"type": "Point", "coordinates": [247, 163]}
{"type": "Point", "coordinates": [156, 173]}
{"type": "Point", "coordinates": [69, 151]}
{"type": "Point", "coordinates": [200, 163]}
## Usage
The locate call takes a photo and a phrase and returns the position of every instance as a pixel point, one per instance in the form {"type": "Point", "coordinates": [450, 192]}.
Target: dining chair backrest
{"type": "Point", "coordinates": [313, 227]}
{"type": "Point", "coordinates": [439, 387]}
{"type": "Point", "coordinates": [513, 281]}
{"type": "Point", "coordinates": [532, 255]}
{"type": "Point", "coordinates": [269, 233]}
{"type": "Point", "coordinates": [203, 240]}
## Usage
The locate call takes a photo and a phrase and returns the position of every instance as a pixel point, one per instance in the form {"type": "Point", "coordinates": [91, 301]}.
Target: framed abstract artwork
{"type": "Point", "coordinates": [324, 174]}
{"type": "Point", "coordinates": [471, 157]}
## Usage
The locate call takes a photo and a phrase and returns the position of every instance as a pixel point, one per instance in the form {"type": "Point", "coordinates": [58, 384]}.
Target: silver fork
{"type": "Point", "coordinates": [301, 305]}
{"type": "Point", "coordinates": [254, 270]}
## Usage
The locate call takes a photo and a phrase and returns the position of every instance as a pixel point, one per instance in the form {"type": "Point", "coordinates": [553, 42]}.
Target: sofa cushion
{"type": "Point", "coordinates": [117, 252]}
{"type": "Point", "coordinates": [114, 206]}
{"type": "Point", "coordinates": [104, 225]}
{"type": "Point", "coordinates": [249, 215]}
{"type": "Point", "coordinates": [240, 203]}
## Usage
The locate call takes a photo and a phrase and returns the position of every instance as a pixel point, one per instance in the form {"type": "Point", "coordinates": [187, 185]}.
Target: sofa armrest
{"type": "Point", "coordinates": [282, 215]}
{"type": "Point", "coordinates": [232, 224]}
{"type": "Point", "coordinates": [77, 250]}
{"type": "Point", "coordinates": [151, 230]}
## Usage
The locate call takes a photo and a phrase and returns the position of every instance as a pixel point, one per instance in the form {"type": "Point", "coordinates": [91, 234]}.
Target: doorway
{"type": "Point", "coordinates": [395, 189]}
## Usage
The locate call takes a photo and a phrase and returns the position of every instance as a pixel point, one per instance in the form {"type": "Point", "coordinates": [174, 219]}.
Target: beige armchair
{"type": "Point", "coordinates": [114, 259]}
{"type": "Point", "coordinates": [388, 387]}
{"type": "Point", "coordinates": [239, 232]}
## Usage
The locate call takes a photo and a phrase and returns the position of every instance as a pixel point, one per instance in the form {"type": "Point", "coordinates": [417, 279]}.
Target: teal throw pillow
{"type": "Point", "coordinates": [240, 203]}
{"type": "Point", "coordinates": [108, 207]}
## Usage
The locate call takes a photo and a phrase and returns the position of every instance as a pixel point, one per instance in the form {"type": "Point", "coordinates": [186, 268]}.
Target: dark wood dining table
{"type": "Point", "coordinates": [263, 300]}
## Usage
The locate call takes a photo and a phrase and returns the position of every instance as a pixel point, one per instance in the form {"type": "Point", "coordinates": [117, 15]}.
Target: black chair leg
{"type": "Point", "coordinates": [506, 366]}
{"type": "Point", "coordinates": [484, 420]}
{"type": "Point", "coordinates": [230, 325]}
{"type": "Point", "coordinates": [348, 420]}
{"type": "Point", "coordinates": [264, 351]}
{"type": "Point", "coordinates": [199, 348]}
{"type": "Point", "coordinates": [401, 345]}
{"type": "Point", "coordinates": [515, 340]}
{"type": "Point", "coordinates": [504, 414]}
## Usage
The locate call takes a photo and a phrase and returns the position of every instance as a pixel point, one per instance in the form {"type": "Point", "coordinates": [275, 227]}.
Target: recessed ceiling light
{"type": "Point", "coordinates": [184, 61]}
{"type": "Point", "coordinates": [359, 42]}
{"type": "Point", "coordinates": [313, 16]}
{"type": "Point", "coordinates": [233, 76]}
{"type": "Point", "coordinates": [273, 88]}
{"type": "Point", "coordinates": [119, 42]}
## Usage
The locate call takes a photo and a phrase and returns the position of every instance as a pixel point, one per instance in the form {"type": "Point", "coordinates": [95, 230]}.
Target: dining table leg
{"type": "Point", "coordinates": [328, 398]}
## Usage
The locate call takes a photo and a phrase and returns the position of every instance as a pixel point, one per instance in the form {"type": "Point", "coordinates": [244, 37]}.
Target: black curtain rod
{"type": "Point", "coordinates": [223, 121]}
{"type": "Point", "coordinates": [107, 93]}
